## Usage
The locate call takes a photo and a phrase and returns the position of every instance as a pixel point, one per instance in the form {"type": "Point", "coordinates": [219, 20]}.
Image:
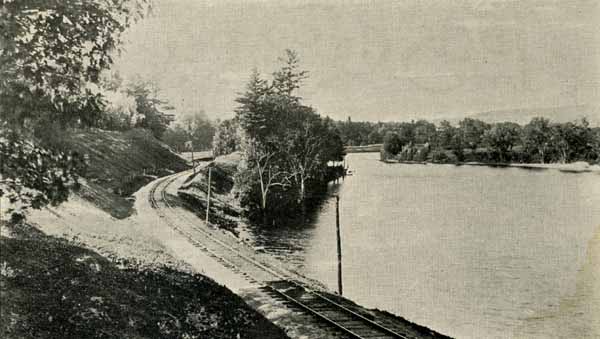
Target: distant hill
{"type": "Point", "coordinates": [555, 114]}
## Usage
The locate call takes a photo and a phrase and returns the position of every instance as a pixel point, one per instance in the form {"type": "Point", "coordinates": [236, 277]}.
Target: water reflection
{"type": "Point", "coordinates": [290, 239]}
{"type": "Point", "coordinates": [470, 251]}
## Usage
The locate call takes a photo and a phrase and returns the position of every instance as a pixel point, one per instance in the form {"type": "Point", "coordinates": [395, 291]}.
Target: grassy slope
{"type": "Point", "coordinates": [119, 164]}
{"type": "Point", "coordinates": [51, 288]}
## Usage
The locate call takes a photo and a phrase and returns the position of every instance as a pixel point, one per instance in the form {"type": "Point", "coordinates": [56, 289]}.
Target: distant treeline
{"type": "Point", "coordinates": [541, 140]}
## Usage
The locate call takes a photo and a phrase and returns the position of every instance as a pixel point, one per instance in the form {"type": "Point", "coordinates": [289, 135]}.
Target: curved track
{"type": "Point", "coordinates": [275, 280]}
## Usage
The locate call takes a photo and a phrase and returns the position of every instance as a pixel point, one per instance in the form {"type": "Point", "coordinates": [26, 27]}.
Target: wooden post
{"type": "Point", "coordinates": [339, 242]}
{"type": "Point", "coordinates": [208, 196]}
{"type": "Point", "coordinates": [193, 165]}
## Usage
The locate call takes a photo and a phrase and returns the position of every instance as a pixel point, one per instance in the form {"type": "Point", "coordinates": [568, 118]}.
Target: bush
{"type": "Point", "coordinates": [33, 176]}
{"type": "Point", "coordinates": [439, 156]}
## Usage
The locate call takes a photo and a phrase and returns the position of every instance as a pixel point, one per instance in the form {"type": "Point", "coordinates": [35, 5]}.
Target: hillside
{"type": "Point", "coordinates": [52, 288]}
{"type": "Point", "coordinates": [556, 114]}
{"type": "Point", "coordinates": [119, 163]}
{"type": "Point", "coordinates": [74, 271]}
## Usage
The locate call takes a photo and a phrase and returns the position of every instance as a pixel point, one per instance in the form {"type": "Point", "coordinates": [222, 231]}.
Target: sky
{"type": "Point", "coordinates": [374, 60]}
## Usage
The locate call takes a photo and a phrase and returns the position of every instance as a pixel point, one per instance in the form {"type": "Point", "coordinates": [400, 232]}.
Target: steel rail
{"type": "Point", "coordinates": [370, 324]}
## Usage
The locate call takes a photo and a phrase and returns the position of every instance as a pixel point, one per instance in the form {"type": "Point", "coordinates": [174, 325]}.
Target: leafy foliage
{"type": "Point", "coordinates": [227, 138]}
{"type": "Point", "coordinates": [392, 144]}
{"type": "Point", "coordinates": [149, 107]}
{"type": "Point", "coordinates": [286, 146]}
{"type": "Point", "coordinates": [473, 140]}
{"type": "Point", "coordinates": [472, 132]}
{"type": "Point", "coordinates": [501, 138]}
{"type": "Point", "coordinates": [200, 129]}
{"type": "Point", "coordinates": [536, 138]}
{"type": "Point", "coordinates": [32, 176]}
{"type": "Point", "coordinates": [52, 50]}
{"type": "Point", "coordinates": [51, 55]}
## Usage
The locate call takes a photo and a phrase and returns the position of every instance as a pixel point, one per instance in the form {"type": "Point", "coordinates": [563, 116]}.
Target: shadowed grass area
{"type": "Point", "coordinates": [51, 288]}
{"type": "Point", "coordinates": [120, 163]}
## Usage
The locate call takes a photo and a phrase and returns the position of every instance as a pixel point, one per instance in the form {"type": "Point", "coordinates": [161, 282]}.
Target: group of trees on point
{"type": "Point", "coordinates": [286, 146]}
{"type": "Point", "coordinates": [540, 140]}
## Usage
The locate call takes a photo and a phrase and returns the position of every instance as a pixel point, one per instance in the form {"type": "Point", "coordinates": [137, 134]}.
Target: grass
{"type": "Point", "coordinates": [120, 163]}
{"type": "Point", "coordinates": [52, 288]}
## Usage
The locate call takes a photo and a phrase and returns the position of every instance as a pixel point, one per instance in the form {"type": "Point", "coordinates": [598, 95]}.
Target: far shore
{"type": "Point", "coordinates": [574, 167]}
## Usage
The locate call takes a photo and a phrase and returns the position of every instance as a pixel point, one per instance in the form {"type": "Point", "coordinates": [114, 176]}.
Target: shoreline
{"type": "Point", "coordinates": [574, 167]}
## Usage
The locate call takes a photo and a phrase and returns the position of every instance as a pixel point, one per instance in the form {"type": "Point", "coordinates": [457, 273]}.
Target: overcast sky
{"type": "Point", "coordinates": [375, 60]}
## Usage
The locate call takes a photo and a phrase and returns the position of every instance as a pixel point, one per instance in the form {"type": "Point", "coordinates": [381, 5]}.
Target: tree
{"type": "Point", "coordinates": [425, 132]}
{"type": "Point", "coordinates": [572, 141]}
{"type": "Point", "coordinates": [287, 79]}
{"type": "Point", "coordinates": [392, 143]}
{"type": "Point", "coordinates": [445, 134]}
{"type": "Point", "coordinates": [263, 161]}
{"type": "Point", "coordinates": [227, 138]}
{"type": "Point", "coordinates": [501, 138]}
{"type": "Point", "coordinates": [51, 56]}
{"type": "Point", "coordinates": [201, 130]}
{"type": "Point", "coordinates": [176, 137]}
{"type": "Point", "coordinates": [457, 146]}
{"type": "Point", "coordinates": [285, 145]}
{"type": "Point", "coordinates": [595, 145]}
{"type": "Point", "coordinates": [472, 131]}
{"type": "Point", "coordinates": [149, 107]}
{"type": "Point", "coordinates": [261, 114]}
{"type": "Point", "coordinates": [250, 113]}
{"type": "Point", "coordinates": [536, 137]}
{"type": "Point", "coordinates": [52, 51]}
{"type": "Point", "coordinates": [406, 132]}
{"type": "Point", "coordinates": [305, 151]}
{"type": "Point", "coordinates": [374, 137]}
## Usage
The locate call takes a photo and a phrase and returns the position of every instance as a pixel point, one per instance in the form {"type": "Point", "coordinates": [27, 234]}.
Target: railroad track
{"type": "Point", "coordinates": [276, 281]}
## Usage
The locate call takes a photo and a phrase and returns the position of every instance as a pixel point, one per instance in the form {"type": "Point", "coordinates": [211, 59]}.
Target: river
{"type": "Point", "coordinates": [472, 252]}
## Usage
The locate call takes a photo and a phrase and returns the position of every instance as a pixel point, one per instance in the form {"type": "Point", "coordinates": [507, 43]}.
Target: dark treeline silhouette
{"type": "Point", "coordinates": [539, 141]}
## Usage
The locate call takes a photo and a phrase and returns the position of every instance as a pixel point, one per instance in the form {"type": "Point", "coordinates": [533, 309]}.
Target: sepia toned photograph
{"type": "Point", "coordinates": [300, 169]}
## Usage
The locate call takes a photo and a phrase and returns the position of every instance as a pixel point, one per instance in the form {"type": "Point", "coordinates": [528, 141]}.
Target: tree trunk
{"type": "Point", "coordinates": [263, 203]}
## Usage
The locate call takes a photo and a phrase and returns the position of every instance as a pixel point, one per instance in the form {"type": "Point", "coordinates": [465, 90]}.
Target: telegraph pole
{"type": "Point", "coordinates": [339, 242]}
{"type": "Point", "coordinates": [191, 142]}
{"type": "Point", "coordinates": [208, 196]}
{"type": "Point", "coordinates": [193, 165]}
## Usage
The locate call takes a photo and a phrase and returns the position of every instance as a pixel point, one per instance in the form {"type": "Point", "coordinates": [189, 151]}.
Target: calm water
{"type": "Point", "coordinates": [472, 252]}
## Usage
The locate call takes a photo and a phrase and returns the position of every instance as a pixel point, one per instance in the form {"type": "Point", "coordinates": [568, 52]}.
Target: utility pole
{"type": "Point", "coordinates": [193, 165]}
{"type": "Point", "coordinates": [191, 143]}
{"type": "Point", "coordinates": [208, 196]}
{"type": "Point", "coordinates": [339, 242]}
